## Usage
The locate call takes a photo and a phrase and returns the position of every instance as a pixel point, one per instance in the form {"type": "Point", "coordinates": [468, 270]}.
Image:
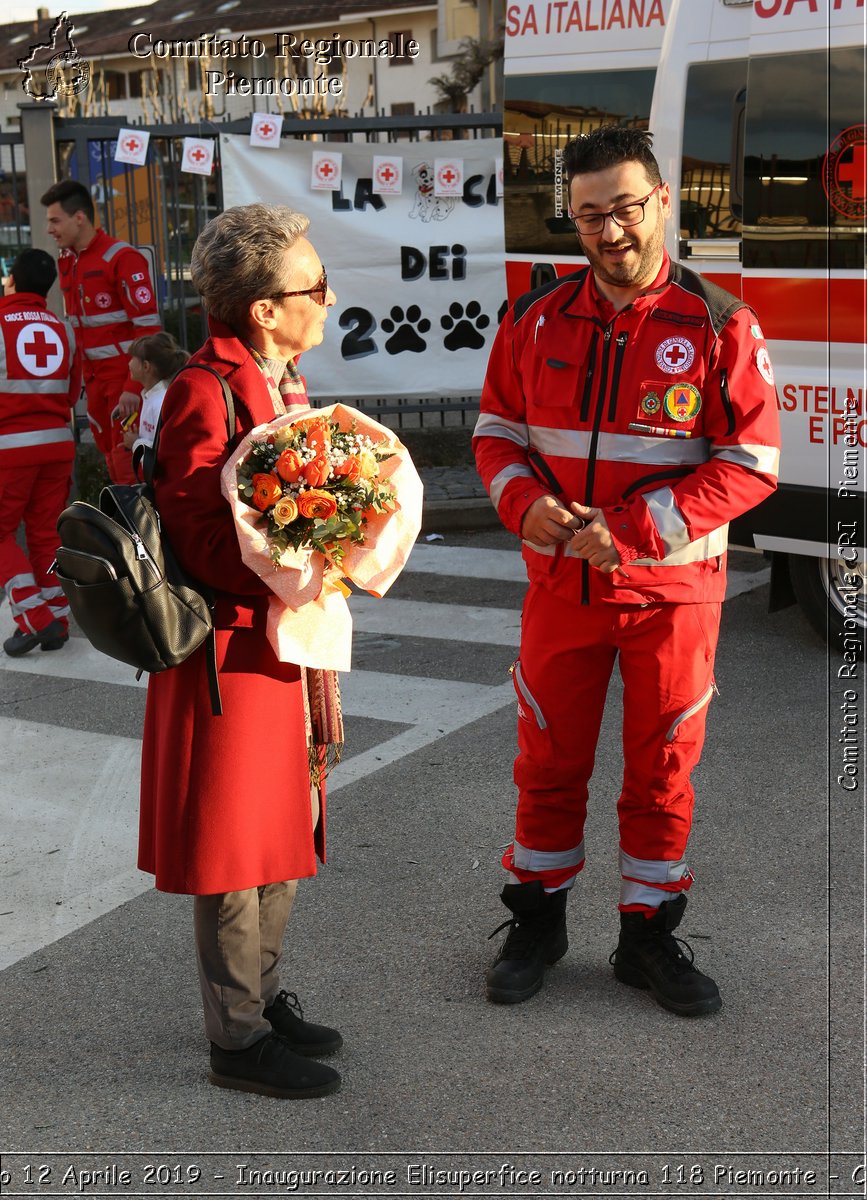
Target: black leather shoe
{"type": "Point", "coordinates": [270, 1068]}
{"type": "Point", "coordinates": [287, 1018]}
{"type": "Point", "coordinates": [52, 637]}
{"type": "Point", "coordinates": [536, 940]}
{"type": "Point", "coordinates": [648, 955]}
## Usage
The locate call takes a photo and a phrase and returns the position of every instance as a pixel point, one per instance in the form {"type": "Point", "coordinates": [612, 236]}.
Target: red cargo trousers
{"type": "Point", "coordinates": [666, 655]}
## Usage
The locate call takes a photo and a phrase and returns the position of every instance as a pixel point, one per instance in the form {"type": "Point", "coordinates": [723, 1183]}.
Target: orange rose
{"type": "Point", "coordinates": [317, 431]}
{"type": "Point", "coordinates": [316, 503]}
{"type": "Point", "coordinates": [350, 467]}
{"type": "Point", "coordinates": [289, 465]}
{"type": "Point", "coordinates": [285, 511]}
{"type": "Point", "coordinates": [316, 472]}
{"type": "Point", "coordinates": [267, 490]}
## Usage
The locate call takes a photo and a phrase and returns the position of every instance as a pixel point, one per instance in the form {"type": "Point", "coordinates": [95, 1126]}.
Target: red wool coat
{"type": "Point", "coordinates": [225, 801]}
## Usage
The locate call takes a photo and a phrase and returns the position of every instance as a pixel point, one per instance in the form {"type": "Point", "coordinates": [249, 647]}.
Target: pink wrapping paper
{"type": "Point", "coordinates": [309, 621]}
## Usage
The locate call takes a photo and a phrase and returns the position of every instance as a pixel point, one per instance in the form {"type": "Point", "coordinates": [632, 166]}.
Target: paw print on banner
{"type": "Point", "coordinates": [464, 325]}
{"type": "Point", "coordinates": [405, 329]}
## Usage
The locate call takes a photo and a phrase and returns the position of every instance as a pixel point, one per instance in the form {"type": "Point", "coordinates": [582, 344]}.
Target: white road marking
{"type": "Point", "coordinates": [468, 563]}
{"type": "Point", "coordinates": [445, 622]}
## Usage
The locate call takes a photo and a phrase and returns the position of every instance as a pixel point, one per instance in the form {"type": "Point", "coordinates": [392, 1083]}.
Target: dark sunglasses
{"type": "Point", "coordinates": [318, 292]}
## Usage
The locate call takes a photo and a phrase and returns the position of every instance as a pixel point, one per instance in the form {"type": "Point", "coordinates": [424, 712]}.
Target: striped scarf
{"type": "Point", "coordinates": [323, 715]}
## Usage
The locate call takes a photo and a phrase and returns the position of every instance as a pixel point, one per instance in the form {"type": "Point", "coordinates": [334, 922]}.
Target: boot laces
{"type": "Point", "coordinates": [665, 948]}
{"type": "Point", "coordinates": [522, 938]}
{"type": "Point", "coordinates": [290, 1000]}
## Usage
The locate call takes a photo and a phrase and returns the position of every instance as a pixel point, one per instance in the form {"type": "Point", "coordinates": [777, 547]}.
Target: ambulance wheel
{"type": "Point", "coordinates": [833, 594]}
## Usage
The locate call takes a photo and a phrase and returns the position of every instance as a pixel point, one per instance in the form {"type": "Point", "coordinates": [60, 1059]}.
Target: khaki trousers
{"type": "Point", "coordinates": [239, 943]}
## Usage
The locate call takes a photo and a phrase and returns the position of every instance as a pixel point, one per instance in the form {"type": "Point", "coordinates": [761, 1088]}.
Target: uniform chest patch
{"type": "Point", "coordinates": [763, 362]}
{"type": "Point", "coordinates": [102, 300]}
{"type": "Point", "coordinates": [650, 404]}
{"type": "Point", "coordinates": [682, 402]}
{"type": "Point", "coordinates": [675, 355]}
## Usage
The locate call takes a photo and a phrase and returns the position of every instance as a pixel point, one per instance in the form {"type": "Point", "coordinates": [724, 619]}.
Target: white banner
{"type": "Point", "coordinates": [419, 279]}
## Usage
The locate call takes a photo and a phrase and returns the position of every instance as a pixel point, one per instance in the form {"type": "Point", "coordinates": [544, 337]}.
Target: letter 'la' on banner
{"type": "Point", "coordinates": [265, 130]}
{"type": "Point", "coordinates": [198, 156]}
{"type": "Point", "coordinates": [132, 146]}
{"type": "Point", "coordinates": [326, 170]}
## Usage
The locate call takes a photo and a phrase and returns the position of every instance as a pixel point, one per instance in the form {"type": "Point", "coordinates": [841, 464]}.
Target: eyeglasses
{"type": "Point", "coordinates": [318, 292]}
{"type": "Point", "coordinates": [624, 216]}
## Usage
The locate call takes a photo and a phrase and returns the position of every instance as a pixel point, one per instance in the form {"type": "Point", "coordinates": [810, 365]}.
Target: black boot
{"type": "Point", "coordinates": [649, 956]}
{"type": "Point", "coordinates": [270, 1068]}
{"type": "Point", "coordinates": [287, 1018]}
{"type": "Point", "coordinates": [536, 939]}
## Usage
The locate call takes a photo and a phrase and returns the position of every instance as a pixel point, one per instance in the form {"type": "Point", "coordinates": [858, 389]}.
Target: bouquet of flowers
{"type": "Point", "coordinates": [316, 485]}
{"type": "Point", "coordinates": [320, 496]}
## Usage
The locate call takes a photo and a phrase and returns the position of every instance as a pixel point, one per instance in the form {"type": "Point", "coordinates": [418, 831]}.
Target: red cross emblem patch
{"type": "Point", "coordinates": [675, 355]}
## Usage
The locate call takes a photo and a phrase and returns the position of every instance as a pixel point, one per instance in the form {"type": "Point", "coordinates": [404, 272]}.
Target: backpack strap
{"type": "Point", "coordinates": [148, 461]}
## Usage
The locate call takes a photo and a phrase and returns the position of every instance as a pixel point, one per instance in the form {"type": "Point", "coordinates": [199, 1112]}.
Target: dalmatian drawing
{"type": "Point", "coordinates": [426, 205]}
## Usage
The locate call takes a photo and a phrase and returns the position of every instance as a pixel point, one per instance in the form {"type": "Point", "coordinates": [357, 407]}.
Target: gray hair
{"type": "Point", "coordinates": [238, 258]}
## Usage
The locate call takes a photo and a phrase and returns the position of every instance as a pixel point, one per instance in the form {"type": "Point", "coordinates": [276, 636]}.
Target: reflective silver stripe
{"type": "Point", "coordinates": [146, 320]}
{"type": "Point", "coordinates": [18, 581]}
{"type": "Point", "coordinates": [93, 421]}
{"type": "Point", "coordinates": [126, 345]}
{"type": "Point", "coordinates": [498, 483]}
{"type": "Point", "coordinates": [567, 883]}
{"type": "Point", "coordinates": [668, 519]}
{"type": "Point", "coordinates": [52, 593]}
{"type": "Point", "coordinates": [93, 320]}
{"type": "Point", "coordinates": [758, 458]}
{"type": "Point", "coordinates": [653, 870]}
{"type": "Point", "coordinates": [74, 321]}
{"type": "Point", "coordinates": [546, 860]}
{"type": "Point", "coordinates": [527, 697]}
{"type": "Point", "coordinates": [98, 352]}
{"type": "Point", "coordinates": [689, 712]}
{"type": "Point", "coordinates": [491, 425]}
{"type": "Point", "coordinates": [21, 606]}
{"type": "Point", "coordinates": [618, 447]}
{"type": "Point", "coordinates": [116, 249]}
{"type": "Point", "coordinates": [549, 550]}
{"type": "Point", "coordinates": [30, 386]}
{"type": "Point", "coordinates": [641, 893]}
{"type": "Point", "coordinates": [35, 437]}
{"type": "Point", "coordinates": [712, 545]}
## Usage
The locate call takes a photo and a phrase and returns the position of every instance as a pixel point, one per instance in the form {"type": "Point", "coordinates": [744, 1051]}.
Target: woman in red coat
{"type": "Point", "coordinates": [228, 813]}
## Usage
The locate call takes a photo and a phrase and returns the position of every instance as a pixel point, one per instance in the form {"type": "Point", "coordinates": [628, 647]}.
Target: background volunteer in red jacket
{"type": "Point", "coordinates": [40, 381]}
{"type": "Point", "coordinates": [628, 414]}
{"type": "Point", "coordinates": [110, 302]}
{"type": "Point", "coordinates": [228, 813]}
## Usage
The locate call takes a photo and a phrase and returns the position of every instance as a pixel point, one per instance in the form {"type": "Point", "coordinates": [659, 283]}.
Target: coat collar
{"type": "Point", "coordinates": [586, 300]}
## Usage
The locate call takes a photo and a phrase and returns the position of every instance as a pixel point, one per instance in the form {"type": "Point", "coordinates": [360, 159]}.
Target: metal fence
{"type": "Point", "coordinates": [162, 209]}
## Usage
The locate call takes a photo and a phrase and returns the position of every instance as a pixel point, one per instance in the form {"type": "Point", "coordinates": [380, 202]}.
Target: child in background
{"type": "Point", "coordinates": [154, 360]}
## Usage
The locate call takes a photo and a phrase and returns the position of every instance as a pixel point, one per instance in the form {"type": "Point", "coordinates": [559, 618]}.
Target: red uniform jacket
{"type": "Point", "coordinates": [225, 800]}
{"type": "Point", "coordinates": [40, 381]}
{"type": "Point", "coordinates": [663, 415]}
{"type": "Point", "coordinates": [110, 302]}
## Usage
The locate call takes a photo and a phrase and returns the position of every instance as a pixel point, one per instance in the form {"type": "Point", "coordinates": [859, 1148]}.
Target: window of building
{"type": "Point", "coordinates": [399, 39]}
{"type": "Point", "coordinates": [113, 85]}
{"type": "Point", "coordinates": [404, 109]}
{"type": "Point", "coordinates": [803, 174]}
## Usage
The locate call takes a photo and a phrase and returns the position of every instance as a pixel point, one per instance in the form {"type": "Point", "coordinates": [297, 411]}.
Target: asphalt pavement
{"type": "Point", "coordinates": [587, 1089]}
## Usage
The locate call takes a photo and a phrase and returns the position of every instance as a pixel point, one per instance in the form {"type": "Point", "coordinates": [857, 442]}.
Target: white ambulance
{"type": "Point", "coordinates": [758, 115]}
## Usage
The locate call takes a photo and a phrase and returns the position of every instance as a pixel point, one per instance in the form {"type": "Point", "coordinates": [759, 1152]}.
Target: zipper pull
{"type": "Point", "coordinates": [606, 337]}
{"type": "Point", "coordinates": [140, 551]}
{"type": "Point", "coordinates": [714, 686]}
{"type": "Point", "coordinates": [622, 338]}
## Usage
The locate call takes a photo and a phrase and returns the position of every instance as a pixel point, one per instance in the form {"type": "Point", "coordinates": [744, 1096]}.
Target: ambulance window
{"type": "Point", "coordinates": [804, 161]}
{"type": "Point", "coordinates": [541, 114]}
{"type": "Point", "coordinates": [705, 201]}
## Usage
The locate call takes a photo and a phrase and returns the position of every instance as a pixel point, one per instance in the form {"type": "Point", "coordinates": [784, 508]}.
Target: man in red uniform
{"type": "Point", "coordinates": [628, 414]}
{"type": "Point", "coordinates": [40, 381]}
{"type": "Point", "coordinates": [110, 302]}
